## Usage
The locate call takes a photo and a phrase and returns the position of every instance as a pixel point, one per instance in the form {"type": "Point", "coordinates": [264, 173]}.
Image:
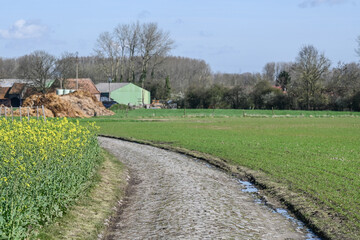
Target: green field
{"type": "Point", "coordinates": [314, 155]}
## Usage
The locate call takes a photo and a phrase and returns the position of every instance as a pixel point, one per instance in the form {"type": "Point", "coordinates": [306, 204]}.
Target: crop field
{"type": "Point", "coordinates": [312, 154]}
{"type": "Point", "coordinates": [43, 169]}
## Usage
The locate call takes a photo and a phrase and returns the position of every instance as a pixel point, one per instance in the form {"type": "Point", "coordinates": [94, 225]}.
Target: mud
{"type": "Point", "coordinates": [174, 197]}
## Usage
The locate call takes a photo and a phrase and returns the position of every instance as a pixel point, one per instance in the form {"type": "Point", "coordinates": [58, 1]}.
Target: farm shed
{"type": "Point", "coordinates": [16, 94]}
{"type": "Point", "coordinates": [13, 91]}
{"type": "Point", "coordinates": [4, 100]}
{"type": "Point", "coordinates": [85, 84]}
{"type": "Point", "coordinates": [124, 93]}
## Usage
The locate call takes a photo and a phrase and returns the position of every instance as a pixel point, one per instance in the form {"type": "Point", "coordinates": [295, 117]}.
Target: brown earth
{"type": "Point", "coordinates": [77, 104]}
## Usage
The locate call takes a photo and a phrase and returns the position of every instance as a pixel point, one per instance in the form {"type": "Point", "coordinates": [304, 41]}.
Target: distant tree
{"type": "Point", "coordinates": [357, 50]}
{"type": "Point", "coordinates": [133, 50]}
{"type": "Point", "coordinates": [282, 80]}
{"type": "Point", "coordinates": [153, 43]}
{"type": "Point", "coordinates": [310, 68]}
{"type": "Point", "coordinates": [167, 88]}
{"type": "Point", "coordinates": [237, 98]}
{"type": "Point", "coordinates": [262, 88]}
{"type": "Point", "coordinates": [269, 72]}
{"type": "Point", "coordinates": [214, 97]}
{"type": "Point", "coordinates": [356, 102]}
{"type": "Point", "coordinates": [7, 67]}
{"type": "Point", "coordinates": [343, 85]}
{"type": "Point", "coordinates": [282, 66]}
{"type": "Point", "coordinates": [194, 97]}
{"type": "Point", "coordinates": [66, 67]}
{"type": "Point", "coordinates": [108, 50]}
{"type": "Point", "coordinates": [39, 67]}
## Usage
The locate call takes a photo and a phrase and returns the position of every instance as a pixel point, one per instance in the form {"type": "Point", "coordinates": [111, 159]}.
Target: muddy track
{"type": "Point", "coordinates": [172, 196]}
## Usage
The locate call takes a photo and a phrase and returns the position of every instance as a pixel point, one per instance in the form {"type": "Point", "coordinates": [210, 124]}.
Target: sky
{"type": "Point", "coordinates": [232, 36]}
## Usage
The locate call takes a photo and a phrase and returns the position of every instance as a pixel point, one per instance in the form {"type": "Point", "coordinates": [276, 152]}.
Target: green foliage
{"type": "Point", "coordinates": [167, 88]}
{"type": "Point", "coordinates": [119, 106]}
{"type": "Point", "coordinates": [237, 98]}
{"type": "Point", "coordinates": [283, 79]}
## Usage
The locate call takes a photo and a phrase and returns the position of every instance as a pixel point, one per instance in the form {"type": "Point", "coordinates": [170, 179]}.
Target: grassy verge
{"type": "Point", "coordinates": [85, 220]}
{"type": "Point", "coordinates": [311, 164]}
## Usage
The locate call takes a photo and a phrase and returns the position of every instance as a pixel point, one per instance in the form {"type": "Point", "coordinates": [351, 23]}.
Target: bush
{"type": "Point", "coordinates": [119, 106]}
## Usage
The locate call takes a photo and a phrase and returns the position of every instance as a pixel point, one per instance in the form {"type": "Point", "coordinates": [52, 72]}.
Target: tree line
{"type": "Point", "coordinates": [308, 83]}
{"type": "Point", "coordinates": [139, 53]}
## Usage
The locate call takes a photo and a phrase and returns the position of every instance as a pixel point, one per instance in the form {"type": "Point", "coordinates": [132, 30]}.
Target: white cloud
{"type": "Point", "coordinates": [22, 29]}
{"type": "Point", "coordinates": [314, 3]}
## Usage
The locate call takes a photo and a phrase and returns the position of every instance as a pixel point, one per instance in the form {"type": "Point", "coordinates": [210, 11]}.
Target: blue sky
{"type": "Point", "coordinates": [233, 36]}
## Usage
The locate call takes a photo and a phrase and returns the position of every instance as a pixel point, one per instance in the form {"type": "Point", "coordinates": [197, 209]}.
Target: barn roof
{"type": "Point", "coordinates": [85, 84]}
{"type": "Point", "coordinates": [17, 88]}
{"type": "Point", "coordinates": [104, 87]}
{"type": "Point", "coordinates": [3, 92]}
{"type": "Point", "coordinates": [11, 82]}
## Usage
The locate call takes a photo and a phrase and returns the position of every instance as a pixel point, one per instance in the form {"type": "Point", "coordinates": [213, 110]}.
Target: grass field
{"type": "Point", "coordinates": [315, 155]}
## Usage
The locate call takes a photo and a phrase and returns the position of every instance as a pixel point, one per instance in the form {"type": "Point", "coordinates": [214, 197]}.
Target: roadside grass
{"type": "Point", "coordinates": [317, 160]}
{"type": "Point", "coordinates": [85, 220]}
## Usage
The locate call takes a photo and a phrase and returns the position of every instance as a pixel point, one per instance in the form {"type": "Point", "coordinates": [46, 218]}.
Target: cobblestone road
{"type": "Point", "coordinates": [175, 197]}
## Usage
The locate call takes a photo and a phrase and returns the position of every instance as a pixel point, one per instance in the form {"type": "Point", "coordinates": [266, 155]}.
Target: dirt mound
{"type": "Point", "coordinates": [77, 104]}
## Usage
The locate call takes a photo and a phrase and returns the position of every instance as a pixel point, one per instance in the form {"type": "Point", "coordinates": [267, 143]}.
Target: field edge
{"type": "Point", "coordinates": [89, 217]}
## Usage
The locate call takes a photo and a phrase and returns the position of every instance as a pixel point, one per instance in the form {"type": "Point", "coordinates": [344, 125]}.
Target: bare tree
{"type": "Point", "coordinates": [154, 43]}
{"type": "Point", "coordinates": [357, 50]}
{"type": "Point", "coordinates": [107, 50]}
{"type": "Point", "coordinates": [310, 68]}
{"type": "Point", "coordinates": [282, 66]}
{"type": "Point", "coordinates": [39, 67]}
{"type": "Point", "coordinates": [345, 80]}
{"type": "Point", "coordinates": [269, 72]}
{"type": "Point", "coordinates": [65, 67]}
{"type": "Point", "coordinates": [7, 67]}
{"type": "Point", "coordinates": [127, 36]}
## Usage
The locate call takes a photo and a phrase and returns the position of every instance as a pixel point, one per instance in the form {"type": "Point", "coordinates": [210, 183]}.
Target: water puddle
{"type": "Point", "coordinates": [250, 188]}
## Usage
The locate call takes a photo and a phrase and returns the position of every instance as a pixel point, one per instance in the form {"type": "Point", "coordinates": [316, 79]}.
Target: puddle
{"type": "Point", "coordinates": [300, 225]}
{"type": "Point", "coordinates": [250, 188]}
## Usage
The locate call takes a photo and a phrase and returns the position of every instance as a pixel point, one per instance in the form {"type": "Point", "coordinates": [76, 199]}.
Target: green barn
{"type": "Point", "coordinates": [124, 93]}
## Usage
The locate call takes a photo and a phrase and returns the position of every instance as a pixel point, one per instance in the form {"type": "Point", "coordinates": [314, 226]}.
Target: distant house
{"type": "Point", "coordinates": [84, 84]}
{"type": "Point", "coordinates": [124, 93]}
{"type": "Point", "coordinates": [13, 91]}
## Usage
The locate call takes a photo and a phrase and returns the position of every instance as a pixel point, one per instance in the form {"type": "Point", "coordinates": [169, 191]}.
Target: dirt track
{"type": "Point", "coordinates": [174, 197]}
